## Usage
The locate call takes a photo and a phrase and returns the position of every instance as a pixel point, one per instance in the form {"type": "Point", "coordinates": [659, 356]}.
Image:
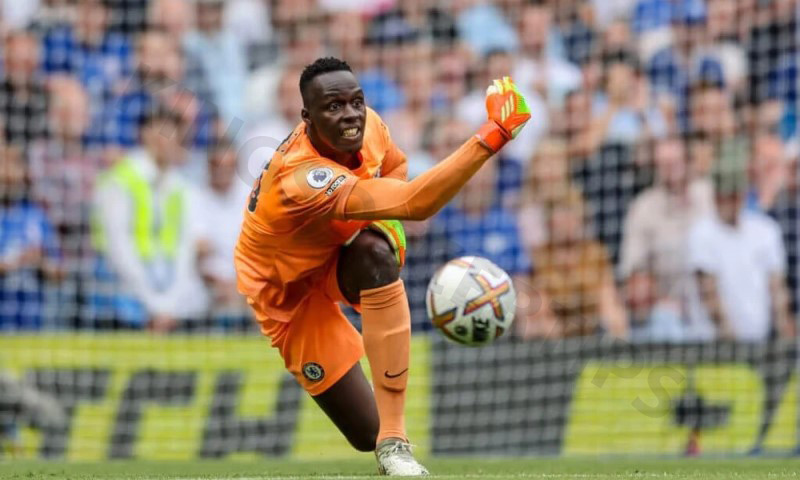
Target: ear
{"type": "Point", "coordinates": [305, 116]}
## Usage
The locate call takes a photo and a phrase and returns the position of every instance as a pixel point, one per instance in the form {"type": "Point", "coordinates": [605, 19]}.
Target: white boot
{"type": "Point", "coordinates": [395, 459]}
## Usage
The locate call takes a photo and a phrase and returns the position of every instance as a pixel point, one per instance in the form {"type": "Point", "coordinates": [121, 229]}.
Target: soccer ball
{"type": "Point", "coordinates": [471, 300]}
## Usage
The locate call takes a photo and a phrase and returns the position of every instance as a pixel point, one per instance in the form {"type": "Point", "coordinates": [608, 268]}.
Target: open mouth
{"type": "Point", "coordinates": [351, 132]}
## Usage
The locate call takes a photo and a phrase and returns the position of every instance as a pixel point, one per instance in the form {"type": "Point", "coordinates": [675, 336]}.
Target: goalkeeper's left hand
{"type": "Point", "coordinates": [507, 113]}
{"type": "Point", "coordinates": [394, 233]}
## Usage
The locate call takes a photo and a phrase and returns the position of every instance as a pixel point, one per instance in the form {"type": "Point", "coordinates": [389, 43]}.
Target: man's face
{"type": "Point", "coordinates": [534, 27]}
{"type": "Point", "coordinates": [222, 169]}
{"type": "Point", "coordinates": [21, 57]}
{"type": "Point", "coordinates": [162, 139]}
{"type": "Point", "coordinates": [158, 60]}
{"type": "Point", "coordinates": [335, 110]}
{"type": "Point", "coordinates": [69, 110]}
{"type": "Point", "coordinates": [209, 16]}
{"type": "Point", "coordinates": [712, 112]}
{"type": "Point", "coordinates": [729, 204]}
{"type": "Point", "coordinates": [670, 160]}
{"type": "Point", "coordinates": [91, 19]}
{"type": "Point", "coordinates": [289, 100]}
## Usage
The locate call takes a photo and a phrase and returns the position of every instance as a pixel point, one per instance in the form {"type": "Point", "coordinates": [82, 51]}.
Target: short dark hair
{"type": "Point", "coordinates": [320, 66]}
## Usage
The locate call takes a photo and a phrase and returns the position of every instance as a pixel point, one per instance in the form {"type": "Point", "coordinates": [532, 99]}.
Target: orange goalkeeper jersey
{"type": "Point", "coordinates": [289, 236]}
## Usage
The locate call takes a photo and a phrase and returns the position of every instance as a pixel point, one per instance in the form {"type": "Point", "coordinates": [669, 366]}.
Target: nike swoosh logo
{"type": "Point", "coordinates": [389, 375]}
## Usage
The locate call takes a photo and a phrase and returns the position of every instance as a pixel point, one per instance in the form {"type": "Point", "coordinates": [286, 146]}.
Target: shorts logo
{"type": "Point", "coordinates": [313, 372]}
{"type": "Point", "coordinates": [319, 177]}
{"type": "Point", "coordinates": [336, 184]}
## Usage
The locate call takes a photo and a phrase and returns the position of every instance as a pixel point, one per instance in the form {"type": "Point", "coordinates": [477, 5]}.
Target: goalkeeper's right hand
{"type": "Point", "coordinates": [507, 113]}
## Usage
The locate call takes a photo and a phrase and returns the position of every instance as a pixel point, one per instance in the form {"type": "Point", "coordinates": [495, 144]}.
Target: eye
{"type": "Point", "coordinates": [358, 102]}
{"type": "Point", "coordinates": [334, 106]}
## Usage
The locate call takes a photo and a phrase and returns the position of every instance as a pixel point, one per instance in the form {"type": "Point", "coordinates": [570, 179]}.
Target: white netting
{"type": "Point", "coordinates": [648, 214]}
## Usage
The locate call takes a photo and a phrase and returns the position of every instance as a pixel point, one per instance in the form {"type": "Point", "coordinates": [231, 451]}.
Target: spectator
{"type": "Point", "coordinates": [28, 248]}
{"type": "Point", "coordinates": [158, 79]}
{"type": "Point", "coordinates": [580, 33]}
{"type": "Point", "coordinates": [549, 183]}
{"type": "Point", "coordinates": [768, 173]}
{"type": "Point", "coordinates": [346, 32]}
{"type": "Point", "coordinates": [434, 24]}
{"type": "Point", "coordinates": [62, 175]}
{"type": "Point", "coordinates": [483, 28]}
{"type": "Point", "coordinates": [176, 18]}
{"type": "Point", "coordinates": [609, 181]}
{"type": "Point", "coordinates": [221, 202]}
{"type": "Point", "coordinates": [221, 58]}
{"type": "Point", "coordinates": [147, 227]}
{"type": "Point", "coordinates": [100, 59]}
{"type": "Point", "coordinates": [452, 71]}
{"type": "Point", "coordinates": [407, 123]}
{"type": "Point", "coordinates": [739, 260]}
{"type": "Point", "coordinates": [721, 55]}
{"type": "Point", "coordinates": [576, 126]}
{"type": "Point", "coordinates": [574, 279]}
{"type": "Point", "coordinates": [542, 66]}
{"type": "Point", "coordinates": [668, 63]}
{"type": "Point", "coordinates": [129, 17]}
{"type": "Point", "coordinates": [286, 15]}
{"type": "Point", "coordinates": [260, 142]}
{"type": "Point", "coordinates": [47, 15]}
{"type": "Point", "coordinates": [653, 262]}
{"type": "Point", "coordinates": [774, 191]}
{"type": "Point", "coordinates": [622, 114]}
{"type": "Point", "coordinates": [393, 44]}
{"type": "Point", "coordinates": [23, 97]}
{"type": "Point", "coordinates": [302, 42]}
{"type": "Point", "coordinates": [250, 21]}
{"type": "Point", "coordinates": [607, 11]}
{"type": "Point", "coordinates": [772, 53]}
{"type": "Point", "coordinates": [712, 114]}
{"type": "Point", "coordinates": [18, 15]}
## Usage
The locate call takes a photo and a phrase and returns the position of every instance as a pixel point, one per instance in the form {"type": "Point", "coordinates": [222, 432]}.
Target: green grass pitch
{"type": "Point", "coordinates": [451, 468]}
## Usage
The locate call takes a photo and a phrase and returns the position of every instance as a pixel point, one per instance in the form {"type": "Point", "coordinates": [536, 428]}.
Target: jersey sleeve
{"type": "Point", "coordinates": [316, 188]}
{"type": "Point", "coordinates": [395, 164]}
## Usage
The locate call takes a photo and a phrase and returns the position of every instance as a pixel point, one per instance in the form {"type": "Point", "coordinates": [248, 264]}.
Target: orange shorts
{"type": "Point", "coordinates": [319, 345]}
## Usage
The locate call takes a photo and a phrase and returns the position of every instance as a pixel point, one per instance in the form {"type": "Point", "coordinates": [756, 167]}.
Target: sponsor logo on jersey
{"type": "Point", "coordinates": [319, 177]}
{"type": "Point", "coordinates": [313, 372]}
{"type": "Point", "coordinates": [336, 184]}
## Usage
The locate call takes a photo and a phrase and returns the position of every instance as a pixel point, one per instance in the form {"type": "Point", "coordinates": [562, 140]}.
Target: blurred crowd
{"type": "Point", "coordinates": [652, 197]}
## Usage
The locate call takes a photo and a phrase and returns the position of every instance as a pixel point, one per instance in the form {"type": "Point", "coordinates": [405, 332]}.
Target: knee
{"type": "Point", "coordinates": [369, 262]}
{"type": "Point", "coordinates": [381, 262]}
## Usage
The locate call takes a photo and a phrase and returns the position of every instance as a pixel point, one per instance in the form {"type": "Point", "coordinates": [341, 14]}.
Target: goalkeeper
{"type": "Point", "coordinates": [316, 233]}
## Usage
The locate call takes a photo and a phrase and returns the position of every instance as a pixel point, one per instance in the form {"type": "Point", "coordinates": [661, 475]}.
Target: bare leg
{"type": "Point", "coordinates": [350, 405]}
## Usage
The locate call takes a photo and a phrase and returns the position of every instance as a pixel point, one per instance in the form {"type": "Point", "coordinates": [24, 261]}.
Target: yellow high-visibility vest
{"type": "Point", "coordinates": [149, 238]}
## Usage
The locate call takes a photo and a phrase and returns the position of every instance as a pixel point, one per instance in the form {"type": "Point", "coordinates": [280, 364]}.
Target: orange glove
{"type": "Point", "coordinates": [507, 114]}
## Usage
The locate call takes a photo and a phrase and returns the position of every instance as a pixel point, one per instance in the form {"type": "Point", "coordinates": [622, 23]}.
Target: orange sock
{"type": "Point", "coordinates": [386, 330]}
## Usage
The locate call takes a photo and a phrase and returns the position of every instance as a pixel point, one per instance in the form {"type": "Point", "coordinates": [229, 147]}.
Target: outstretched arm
{"type": "Point", "coordinates": [381, 198]}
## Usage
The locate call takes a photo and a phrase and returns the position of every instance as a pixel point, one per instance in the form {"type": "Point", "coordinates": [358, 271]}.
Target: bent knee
{"type": "Point", "coordinates": [369, 262]}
